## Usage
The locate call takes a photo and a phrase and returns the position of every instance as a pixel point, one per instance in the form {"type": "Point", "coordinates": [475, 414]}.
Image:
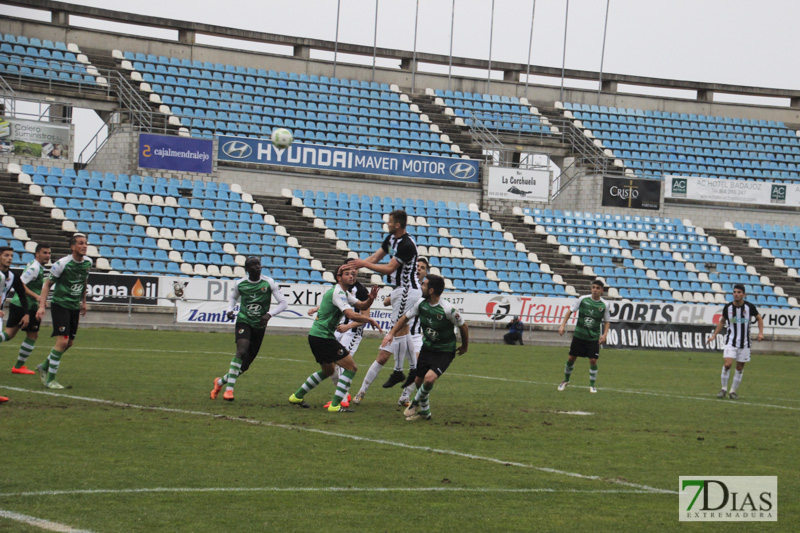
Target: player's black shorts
{"type": "Point", "coordinates": [65, 321]}
{"type": "Point", "coordinates": [15, 314]}
{"type": "Point", "coordinates": [584, 348]}
{"type": "Point", "coordinates": [433, 360]}
{"type": "Point", "coordinates": [255, 336]}
{"type": "Point", "coordinates": [326, 350]}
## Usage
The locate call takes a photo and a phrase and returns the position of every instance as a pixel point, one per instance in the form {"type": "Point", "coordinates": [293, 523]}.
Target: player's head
{"type": "Point", "coordinates": [42, 253]}
{"type": "Point", "coordinates": [738, 292]}
{"type": "Point", "coordinates": [346, 275]}
{"type": "Point", "coordinates": [597, 288]}
{"type": "Point", "coordinates": [397, 220]}
{"type": "Point", "coordinates": [433, 284]}
{"type": "Point", "coordinates": [422, 268]}
{"type": "Point", "coordinates": [252, 265]}
{"type": "Point", "coordinates": [78, 244]}
{"type": "Point", "coordinates": [6, 257]}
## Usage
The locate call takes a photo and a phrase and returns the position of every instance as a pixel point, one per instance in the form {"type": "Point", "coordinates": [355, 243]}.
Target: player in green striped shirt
{"type": "Point", "coordinates": [33, 279]}
{"type": "Point", "coordinates": [437, 320]}
{"type": "Point", "coordinates": [254, 295]}
{"type": "Point", "coordinates": [69, 275]}
{"type": "Point", "coordinates": [586, 339]}
{"type": "Point", "coordinates": [327, 351]}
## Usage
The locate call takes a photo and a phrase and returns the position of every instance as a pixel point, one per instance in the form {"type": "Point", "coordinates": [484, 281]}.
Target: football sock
{"type": "Point", "coordinates": [592, 375]}
{"type": "Point", "coordinates": [737, 379]}
{"type": "Point", "coordinates": [313, 380]}
{"type": "Point", "coordinates": [726, 372]}
{"type": "Point", "coordinates": [25, 350]}
{"type": "Point", "coordinates": [568, 369]}
{"type": "Point", "coordinates": [53, 360]}
{"type": "Point", "coordinates": [337, 371]}
{"type": "Point", "coordinates": [372, 373]}
{"type": "Point", "coordinates": [345, 380]}
{"type": "Point", "coordinates": [3, 336]}
{"type": "Point", "coordinates": [422, 399]}
{"type": "Point", "coordinates": [233, 372]}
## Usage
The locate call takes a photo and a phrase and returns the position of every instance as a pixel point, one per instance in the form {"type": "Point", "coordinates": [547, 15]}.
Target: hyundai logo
{"type": "Point", "coordinates": [237, 149]}
{"type": "Point", "coordinates": [462, 171]}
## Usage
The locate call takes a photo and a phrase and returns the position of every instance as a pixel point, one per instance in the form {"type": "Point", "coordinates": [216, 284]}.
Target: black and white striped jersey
{"type": "Point", "coordinates": [361, 293]}
{"type": "Point", "coordinates": [404, 249]}
{"type": "Point", "coordinates": [738, 322]}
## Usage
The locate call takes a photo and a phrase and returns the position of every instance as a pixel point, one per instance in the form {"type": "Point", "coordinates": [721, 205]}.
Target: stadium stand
{"type": "Point", "coordinates": [654, 143]}
{"type": "Point", "coordinates": [190, 227]}
{"type": "Point", "coordinates": [214, 99]}
{"type": "Point", "coordinates": [21, 56]}
{"type": "Point", "coordinates": [503, 114]}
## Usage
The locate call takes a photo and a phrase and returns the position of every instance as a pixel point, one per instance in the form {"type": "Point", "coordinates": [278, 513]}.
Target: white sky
{"type": "Point", "coordinates": [725, 41]}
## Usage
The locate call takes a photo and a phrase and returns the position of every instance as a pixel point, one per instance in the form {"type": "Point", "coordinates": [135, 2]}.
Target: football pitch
{"type": "Point", "coordinates": [137, 445]}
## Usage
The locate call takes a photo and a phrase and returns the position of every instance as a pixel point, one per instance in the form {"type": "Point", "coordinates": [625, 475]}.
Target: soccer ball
{"type": "Point", "coordinates": [281, 138]}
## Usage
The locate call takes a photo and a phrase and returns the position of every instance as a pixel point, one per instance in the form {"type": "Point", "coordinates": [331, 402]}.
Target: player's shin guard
{"type": "Point", "coordinates": [372, 373]}
{"type": "Point", "coordinates": [726, 372]}
{"type": "Point", "coordinates": [737, 379]}
{"type": "Point", "coordinates": [592, 375]}
{"type": "Point", "coordinates": [345, 380]}
{"type": "Point", "coordinates": [568, 369]}
{"type": "Point", "coordinates": [313, 380]}
{"type": "Point", "coordinates": [53, 360]}
{"type": "Point", "coordinates": [233, 372]}
{"type": "Point", "coordinates": [25, 350]}
{"type": "Point", "coordinates": [421, 398]}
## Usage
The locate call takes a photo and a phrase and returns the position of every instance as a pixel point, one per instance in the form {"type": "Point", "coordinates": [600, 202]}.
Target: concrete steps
{"type": "Point", "coordinates": [547, 253]}
{"type": "Point", "coordinates": [764, 266]}
{"type": "Point", "coordinates": [300, 227]}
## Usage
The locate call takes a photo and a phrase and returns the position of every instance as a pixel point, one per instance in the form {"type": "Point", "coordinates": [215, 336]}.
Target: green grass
{"type": "Point", "coordinates": [497, 427]}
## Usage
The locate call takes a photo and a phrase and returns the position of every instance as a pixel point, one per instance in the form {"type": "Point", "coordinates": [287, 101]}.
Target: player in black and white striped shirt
{"type": "Point", "coordinates": [737, 315]}
{"type": "Point", "coordinates": [401, 273]}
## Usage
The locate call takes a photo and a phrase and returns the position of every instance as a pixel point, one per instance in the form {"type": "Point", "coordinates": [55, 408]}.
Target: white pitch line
{"type": "Point", "coordinates": [318, 489]}
{"type": "Point", "coordinates": [507, 380]}
{"type": "Point", "coordinates": [633, 391]}
{"type": "Point", "coordinates": [40, 523]}
{"type": "Point", "coordinates": [352, 437]}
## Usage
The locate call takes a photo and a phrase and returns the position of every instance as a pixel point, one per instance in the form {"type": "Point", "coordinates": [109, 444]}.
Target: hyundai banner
{"type": "Point", "coordinates": [339, 158]}
{"type": "Point", "coordinates": [183, 154]}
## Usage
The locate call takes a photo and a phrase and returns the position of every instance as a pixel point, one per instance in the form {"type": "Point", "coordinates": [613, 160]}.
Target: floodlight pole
{"type": "Point", "coordinates": [491, 35]}
{"type": "Point", "coordinates": [603, 53]}
{"type": "Point", "coordinates": [564, 53]}
{"type": "Point", "coordinates": [414, 61]}
{"type": "Point", "coordinates": [336, 40]}
{"type": "Point", "coordinates": [450, 62]}
{"type": "Point", "coordinates": [375, 40]}
{"type": "Point", "coordinates": [530, 47]}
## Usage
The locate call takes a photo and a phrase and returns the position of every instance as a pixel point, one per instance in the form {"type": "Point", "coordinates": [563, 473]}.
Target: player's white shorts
{"type": "Point", "coordinates": [402, 300]}
{"type": "Point", "coordinates": [742, 355]}
{"type": "Point", "coordinates": [350, 339]}
{"type": "Point", "coordinates": [417, 342]}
